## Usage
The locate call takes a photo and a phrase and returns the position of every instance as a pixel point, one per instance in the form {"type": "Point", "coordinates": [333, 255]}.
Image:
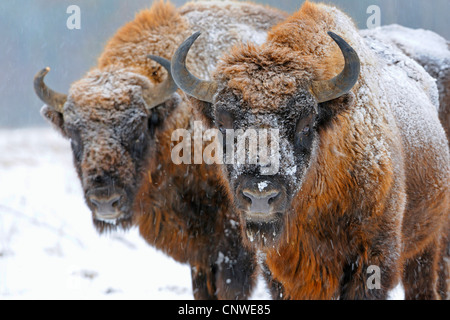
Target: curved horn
{"type": "Point", "coordinates": [327, 90]}
{"type": "Point", "coordinates": [156, 96]}
{"type": "Point", "coordinates": [48, 96]}
{"type": "Point", "coordinates": [200, 89]}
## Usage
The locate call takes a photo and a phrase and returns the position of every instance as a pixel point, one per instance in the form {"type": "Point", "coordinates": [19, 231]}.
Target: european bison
{"type": "Point", "coordinates": [119, 119]}
{"type": "Point", "coordinates": [363, 183]}
{"type": "Point", "coordinates": [432, 52]}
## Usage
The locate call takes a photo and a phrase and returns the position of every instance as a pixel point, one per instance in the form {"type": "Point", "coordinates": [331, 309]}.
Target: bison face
{"type": "Point", "coordinates": [264, 197]}
{"type": "Point", "coordinates": [270, 87]}
{"type": "Point", "coordinates": [112, 132]}
{"type": "Point", "coordinates": [109, 154]}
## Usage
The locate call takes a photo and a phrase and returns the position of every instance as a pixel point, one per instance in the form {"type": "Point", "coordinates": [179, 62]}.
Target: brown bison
{"type": "Point", "coordinates": [119, 119]}
{"type": "Point", "coordinates": [432, 52]}
{"type": "Point", "coordinates": [363, 180]}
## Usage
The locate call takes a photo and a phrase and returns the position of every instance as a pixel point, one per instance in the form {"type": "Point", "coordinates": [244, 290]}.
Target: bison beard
{"type": "Point", "coordinates": [263, 233]}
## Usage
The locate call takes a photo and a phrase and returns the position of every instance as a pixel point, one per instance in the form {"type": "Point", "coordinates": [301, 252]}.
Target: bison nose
{"type": "Point", "coordinates": [260, 202]}
{"type": "Point", "coordinates": [106, 207]}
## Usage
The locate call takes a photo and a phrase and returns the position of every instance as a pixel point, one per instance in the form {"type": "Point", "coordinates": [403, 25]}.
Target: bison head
{"type": "Point", "coordinates": [267, 88]}
{"type": "Point", "coordinates": [110, 117]}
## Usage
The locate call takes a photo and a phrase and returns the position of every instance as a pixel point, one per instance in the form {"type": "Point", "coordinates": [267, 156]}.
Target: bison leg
{"type": "Point", "coordinates": [228, 274]}
{"type": "Point", "coordinates": [444, 267]}
{"type": "Point", "coordinates": [359, 285]}
{"type": "Point", "coordinates": [275, 288]}
{"type": "Point", "coordinates": [203, 283]}
{"type": "Point", "coordinates": [373, 273]}
{"type": "Point", "coordinates": [420, 274]}
{"type": "Point", "coordinates": [235, 273]}
{"type": "Point", "coordinates": [444, 273]}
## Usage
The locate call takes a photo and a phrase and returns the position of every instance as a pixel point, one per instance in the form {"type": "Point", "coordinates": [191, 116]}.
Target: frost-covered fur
{"type": "Point", "coordinates": [372, 184]}
{"type": "Point", "coordinates": [121, 146]}
{"type": "Point", "coordinates": [430, 50]}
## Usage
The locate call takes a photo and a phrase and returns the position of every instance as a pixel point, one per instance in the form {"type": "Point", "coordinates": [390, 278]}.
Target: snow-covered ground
{"type": "Point", "coordinates": [48, 246]}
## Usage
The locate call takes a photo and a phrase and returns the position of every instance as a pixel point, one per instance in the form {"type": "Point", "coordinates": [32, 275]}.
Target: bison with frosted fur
{"type": "Point", "coordinates": [119, 119]}
{"type": "Point", "coordinates": [364, 160]}
{"type": "Point", "coordinates": [432, 52]}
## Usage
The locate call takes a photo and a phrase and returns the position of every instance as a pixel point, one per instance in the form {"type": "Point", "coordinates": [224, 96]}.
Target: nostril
{"type": "Point", "coordinates": [94, 201]}
{"type": "Point", "coordinates": [273, 197]}
{"type": "Point", "coordinates": [246, 197]}
{"type": "Point", "coordinates": [115, 202]}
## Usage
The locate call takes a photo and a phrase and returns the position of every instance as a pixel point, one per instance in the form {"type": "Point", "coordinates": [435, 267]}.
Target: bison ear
{"type": "Point", "coordinates": [55, 118]}
{"type": "Point", "coordinates": [330, 109]}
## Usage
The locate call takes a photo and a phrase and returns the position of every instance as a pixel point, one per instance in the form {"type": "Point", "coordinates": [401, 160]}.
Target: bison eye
{"type": "Point", "coordinates": [306, 130]}
{"type": "Point", "coordinates": [224, 120]}
{"type": "Point", "coordinates": [305, 124]}
{"type": "Point", "coordinates": [303, 137]}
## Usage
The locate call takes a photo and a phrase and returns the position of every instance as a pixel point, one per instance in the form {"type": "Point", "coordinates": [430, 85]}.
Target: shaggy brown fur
{"type": "Point", "coordinates": [120, 146]}
{"type": "Point", "coordinates": [158, 31]}
{"type": "Point", "coordinates": [370, 192]}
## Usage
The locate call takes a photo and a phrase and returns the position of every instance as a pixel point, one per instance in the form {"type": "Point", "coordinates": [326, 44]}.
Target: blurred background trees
{"type": "Point", "coordinates": [35, 35]}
